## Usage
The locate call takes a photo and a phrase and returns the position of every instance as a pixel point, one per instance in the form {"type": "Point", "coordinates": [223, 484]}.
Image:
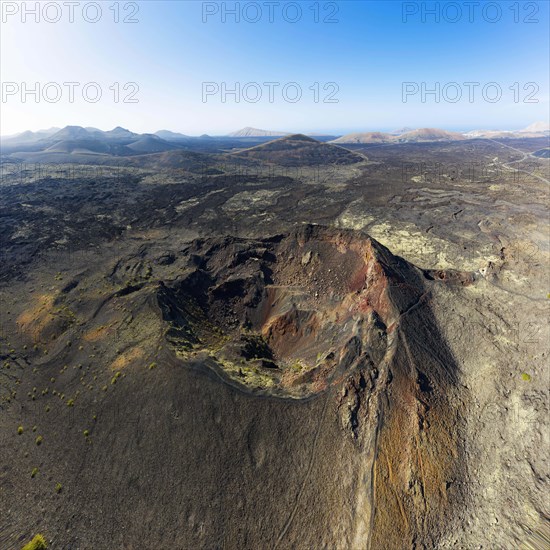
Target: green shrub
{"type": "Point", "coordinates": [58, 487]}
{"type": "Point", "coordinates": [34, 472]}
{"type": "Point", "coordinates": [86, 433]}
{"type": "Point", "coordinates": [37, 543]}
{"type": "Point", "coordinates": [20, 430]}
{"type": "Point", "coordinates": [70, 403]}
{"type": "Point", "coordinates": [39, 440]}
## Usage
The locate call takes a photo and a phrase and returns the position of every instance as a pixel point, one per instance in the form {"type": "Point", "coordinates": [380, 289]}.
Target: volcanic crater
{"type": "Point", "coordinates": [293, 314]}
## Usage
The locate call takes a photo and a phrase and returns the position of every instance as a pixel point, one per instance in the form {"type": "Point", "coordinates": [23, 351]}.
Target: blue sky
{"type": "Point", "coordinates": [368, 52]}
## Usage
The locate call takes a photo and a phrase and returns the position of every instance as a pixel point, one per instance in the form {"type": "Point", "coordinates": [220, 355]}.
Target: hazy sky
{"type": "Point", "coordinates": [349, 66]}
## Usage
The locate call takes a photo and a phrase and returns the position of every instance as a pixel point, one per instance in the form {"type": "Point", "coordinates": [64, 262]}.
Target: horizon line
{"type": "Point", "coordinates": [283, 133]}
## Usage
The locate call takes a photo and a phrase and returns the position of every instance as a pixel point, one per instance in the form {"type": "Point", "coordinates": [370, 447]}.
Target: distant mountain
{"type": "Point", "coordinates": [78, 132]}
{"type": "Point", "coordinates": [48, 131]}
{"type": "Point", "coordinates": [365, 137]}
{"type": "Point", "coordinates": [255, 132]}
{"type": "Point", "coordinates": [537, 127]}
{"type": "Point", "coordinates": [428, 135]}
{"type": "Point", "coordinates": [412, 136]}
{"type": "Point", "coordinates": [28, 137]}
{"type": "Point", "coordinates": [150, 143]}
{"type": "Point", "coordinates": [535, 130]}
{"type": "Point", "coordinates": [72, 141]}
{"type": "Point", "coordinates": [300, 150]}
{"type": "Point", "coordinates": [70, 133]}
{"type": "Point", "coordinates": [170, 136]}
{"type": "Point", "coordinates": [542, 153]}
{"type": "Point", "coordinates": [120, 133]}
{"type": "Point", "coordinates": [400, 131]}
